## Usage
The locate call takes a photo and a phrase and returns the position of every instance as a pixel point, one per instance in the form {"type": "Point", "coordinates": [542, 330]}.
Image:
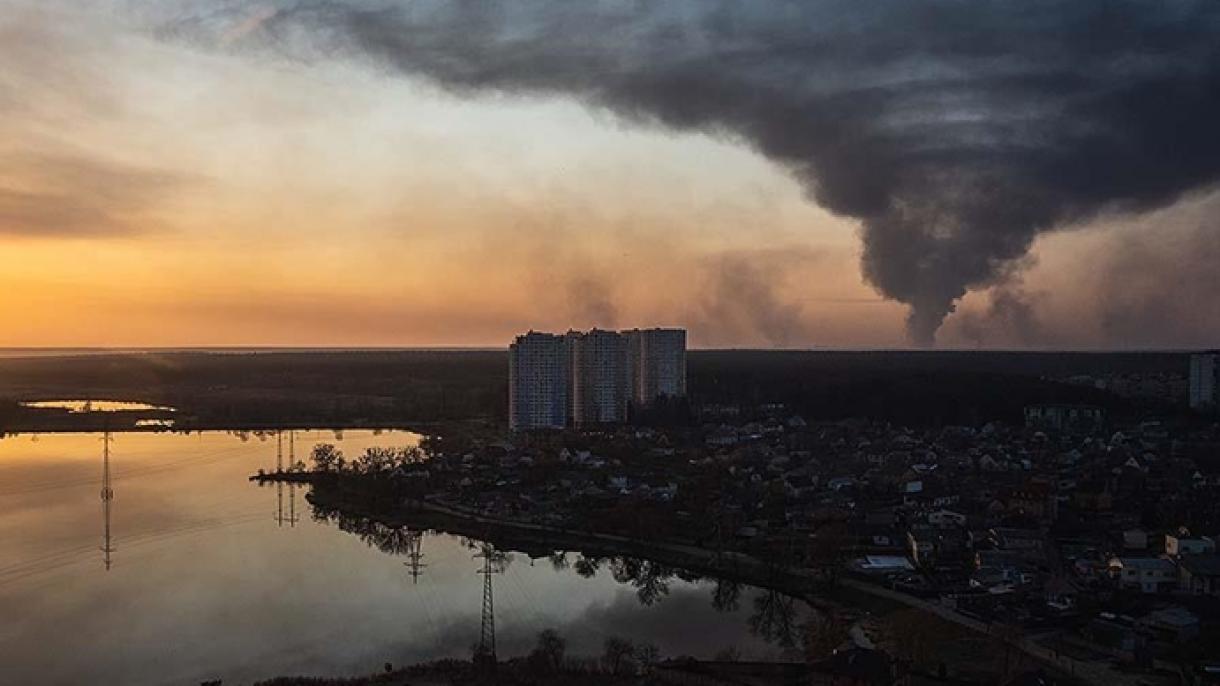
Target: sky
{"type": "Point", "coordinates": [189, 173]}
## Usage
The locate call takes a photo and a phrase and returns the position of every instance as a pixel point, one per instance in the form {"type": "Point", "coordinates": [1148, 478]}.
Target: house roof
{"type": "Point", "coordinates": [1202, 565]}
{"type": "Point", "coordinates": [1148, 563]}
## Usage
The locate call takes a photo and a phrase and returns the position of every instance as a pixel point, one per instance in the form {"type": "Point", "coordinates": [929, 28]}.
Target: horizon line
{"type": "Point", "coordinates": [51, 350]}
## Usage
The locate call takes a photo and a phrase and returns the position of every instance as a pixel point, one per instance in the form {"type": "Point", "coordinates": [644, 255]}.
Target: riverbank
{"type": "Point", "coordinates": [832, 592]}
{"type": "Point", "coordinates": [539, 540]}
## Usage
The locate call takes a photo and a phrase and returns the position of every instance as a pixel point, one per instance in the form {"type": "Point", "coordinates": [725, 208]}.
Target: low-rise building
{"type": "Point", "coordinates": [1064, 417]}
{"type": "Point", "coordinates": [1179, 545]}
{"type": "Point", "coordinates": [1145, 574]}
{"type": "Point", "coordinates": [946, 518]}
{"type": "Point", "coordinates": [1200, 574]}
{"type": "Point", "coordinates": [1135, 539]}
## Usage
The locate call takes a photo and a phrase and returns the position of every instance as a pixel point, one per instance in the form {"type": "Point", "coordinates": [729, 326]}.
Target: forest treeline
{"type": "Point", "coordinates": [413, 386]}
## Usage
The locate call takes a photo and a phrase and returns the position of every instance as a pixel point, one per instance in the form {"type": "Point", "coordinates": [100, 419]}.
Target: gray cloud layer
{"type": "Point", "coordinates": [1162, 284]}
{"type": "Point", "coordinates": [66, 195]}
{"type": "Point", "coordinates": [954, 131]}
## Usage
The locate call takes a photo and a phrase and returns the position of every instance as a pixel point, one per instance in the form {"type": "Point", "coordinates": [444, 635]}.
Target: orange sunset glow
{"type": "Point", "coordinates": [158, 191]}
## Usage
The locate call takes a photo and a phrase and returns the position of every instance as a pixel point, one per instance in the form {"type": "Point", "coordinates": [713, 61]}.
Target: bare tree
{"type": "Point", "coordinates": [774, 619]}
{"type": "Point", "coordinates": [616, 658]}
{"type": "Point", "coordinates": [548, 654]}
{"type": "Point", "coordinates": [647, 655]}
{"type": "Point", "coordinates": [823, 632]}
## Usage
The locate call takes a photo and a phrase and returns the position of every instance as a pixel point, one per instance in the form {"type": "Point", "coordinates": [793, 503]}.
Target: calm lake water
{"type": "Point", "coordinates": [210, 577]}
{"type": "Point", "coordinates": [81, 406]}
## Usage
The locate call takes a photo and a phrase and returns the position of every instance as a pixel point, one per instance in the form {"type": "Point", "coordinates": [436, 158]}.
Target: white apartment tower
{"type": "Point", "coordinates": [538, 382]}
{"type": "Point", "coordinates": [587, 378]}
{"type": "Point", "coordinates": [1203, 381]}
{"type": "Point", "coordinates": [600, 377]}
{"type": "Point", "coordinates": [658, 364]}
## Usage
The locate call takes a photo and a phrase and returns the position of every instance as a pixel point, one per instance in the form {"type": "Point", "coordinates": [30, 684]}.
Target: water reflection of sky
{"type": "Point", "coordinates": [80, 406]}
{"type": "Point", "coordinates": [206, 584]}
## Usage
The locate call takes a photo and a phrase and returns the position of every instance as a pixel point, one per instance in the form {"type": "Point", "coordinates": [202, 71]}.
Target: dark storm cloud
{"type": "Point", "coordinates": [954, 131]}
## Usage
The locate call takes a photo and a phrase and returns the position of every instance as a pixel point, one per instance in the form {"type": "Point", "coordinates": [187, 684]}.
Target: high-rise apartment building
{"type": "Point", "coordinates": [1203, 381]}
{"type": "Point", "coordinates": [658, 364]}
{"type": "Point", "coordinates": [600, 377]}
{"type": "Point", "coordinates": [538, 382]}
{"type": "Point", "coordinates": [587, 378]}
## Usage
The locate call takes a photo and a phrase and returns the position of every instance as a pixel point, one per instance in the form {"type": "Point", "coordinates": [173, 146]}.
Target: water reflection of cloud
{"type": "Point", "coordinates": [206, 586]}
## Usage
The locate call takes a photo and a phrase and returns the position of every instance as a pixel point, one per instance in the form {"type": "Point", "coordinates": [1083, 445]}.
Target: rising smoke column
{"type": "Point", "coordinates": [955, 131]}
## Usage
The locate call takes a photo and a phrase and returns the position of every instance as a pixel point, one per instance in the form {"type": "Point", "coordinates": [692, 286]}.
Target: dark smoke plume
{"type": "Point", "coordinates": [954, 130]}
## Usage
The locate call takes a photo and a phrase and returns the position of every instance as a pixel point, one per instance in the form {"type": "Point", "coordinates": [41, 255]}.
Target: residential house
{"type": "Point", "coordinates": [1145, 574]}
{"type": "Point", "coordinates": [946, 518]}
{"type": "Point", "coordinates": [1179, 545]}
{"type": "Point", "coordinates": [1135, 539]}
{"type": "Point", "coordinates": [1200, 574]}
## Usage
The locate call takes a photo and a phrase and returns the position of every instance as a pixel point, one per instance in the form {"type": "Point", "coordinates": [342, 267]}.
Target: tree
{"type": "Point", "coordinates": [559, 560]}
{"type": "Point", "coordinates": [650, 579]}
{"type": "Point", "coordinates": [916, 635]}
{"type": "Point", "coordinates": [587, 566]}
{"type": "Point", "coordinates": [616, 658]}
{"type": "Point", "coordinates": [823, 633]}
{"type": "Point", "coordinates": [726, 595]}
{"type": "Point", "coordinates": [775, 618]}
{"type": "Point", "coordinates": [827, 551]}
{"type": "Point", "coordinates": [326, 457]}
{"type": "Point", "coordinates": [547, 655]}
{"type": "Point", "coordinates": [411, 455]}
{"type": "Point", "coordinates": [376, 460]}
{"type": "Point", "coordinates": [647, 655]}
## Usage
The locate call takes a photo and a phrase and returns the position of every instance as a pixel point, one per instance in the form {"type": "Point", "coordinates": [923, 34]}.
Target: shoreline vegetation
{"type": "Point", "coordinates": [827, 589]}
{"type": "Point", "coordinates": [539, 540]}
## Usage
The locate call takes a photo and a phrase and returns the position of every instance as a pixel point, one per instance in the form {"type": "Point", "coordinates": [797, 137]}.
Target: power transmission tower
{"type": "Point", "coordinates": [291, 518]}
{"type": "Point", "coordinates": [415, 556]}
{"type": "Point", "coordinates": [279, 483]}
{"type": "Point", "coordinates": [292, 506]}
{"type": "Point", "coordinates": [107, 497]}
{"type": "Point", "coordinates": [492, 564]}
{"type": "Point", "coordinates": [292, 487]}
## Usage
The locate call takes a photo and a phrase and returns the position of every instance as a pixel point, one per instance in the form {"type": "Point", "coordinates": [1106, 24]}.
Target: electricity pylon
{"type": "Point", "coordinates": [280, 519]}
{"type": "Point", "coordinates": [279, 483]}
{"type": "Point", "coordinates": [107, 497]}
{"type": "Point", "coordinates": [292, 506]}
{"type": "Point", "coordinates": [415, 556]}
{"type": "Point", "coordinates": [493, 563]}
